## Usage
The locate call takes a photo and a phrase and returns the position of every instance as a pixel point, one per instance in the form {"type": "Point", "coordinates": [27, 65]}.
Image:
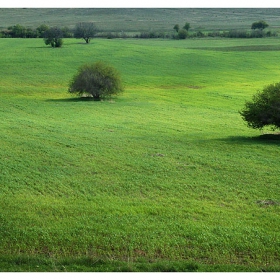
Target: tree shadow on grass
{"type": "Point", "coordinates": [266, 139]}
{"type": "Point", "coordinates": [79, 43]}
{"type": "Point", "coordinates": [73, 99]}
{"type": "Point", "coordinates": [42, 47]}
{"type": "Point", "coordinates": [67, 44]}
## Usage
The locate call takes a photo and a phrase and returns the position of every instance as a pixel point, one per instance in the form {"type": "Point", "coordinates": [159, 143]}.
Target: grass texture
{"type": "Point", "coordinates": [143, 19]}
{"type": "Point", "coordinates": [165, 177]}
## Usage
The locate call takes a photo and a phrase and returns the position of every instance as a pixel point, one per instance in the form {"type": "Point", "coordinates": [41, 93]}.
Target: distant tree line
{"type": "Point", "coordinates": [257, 31]}
{"type": "Point", "coordinates": [236, 34]}
{"type": "Point", "coordinates": [88, 30]}
{"type": "Point", "coordinates": [19, 31]}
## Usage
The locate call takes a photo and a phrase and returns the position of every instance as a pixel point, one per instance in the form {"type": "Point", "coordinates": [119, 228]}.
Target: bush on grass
{"type": "Point", "coordinates": [98, 80]}
{"type": "Point", "coordinates": [264, 109]}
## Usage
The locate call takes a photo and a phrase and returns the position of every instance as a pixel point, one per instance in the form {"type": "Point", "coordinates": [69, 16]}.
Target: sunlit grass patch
{"type": "Point", "coordinates": [164, 177]}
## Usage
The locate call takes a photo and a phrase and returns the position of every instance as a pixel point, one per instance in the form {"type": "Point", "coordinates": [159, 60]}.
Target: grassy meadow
{"type": "Point", "coordinates": [164, 177]}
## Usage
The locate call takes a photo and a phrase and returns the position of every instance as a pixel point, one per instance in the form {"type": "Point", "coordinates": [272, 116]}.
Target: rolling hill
{"type": "Point", "coordinates": [142, 19]}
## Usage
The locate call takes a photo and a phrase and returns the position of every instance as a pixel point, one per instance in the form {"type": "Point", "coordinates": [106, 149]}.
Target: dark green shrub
{"type": "Point", "coordinates": [176, 27]}
{"type": "Point", "coordinates": [257, 34]}
{"type": "Point", "coordinates": [17, 31]}
{"type": "Point", "coordinates": [53, 37]}
{"type": "Point", "coordinates": [264, 109]}
{"type": "Point", "coordinates": [182, 34]}
{"type": "Point", "coordinates": [237, 34]}
{"type": "Point", "coordinates": [199, 34]}
{"type": "Point", "coordinates": [41, 30]}
{"type": "Point", "coordinates": [97, 80]}
{"type": "Point", "coordinates": [259, 25]}
{"type": "Point", "coordinates": [187, 26]}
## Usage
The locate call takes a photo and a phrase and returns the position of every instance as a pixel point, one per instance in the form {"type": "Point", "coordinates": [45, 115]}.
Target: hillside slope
{"type": "Point", "coordinates": [144, 19]}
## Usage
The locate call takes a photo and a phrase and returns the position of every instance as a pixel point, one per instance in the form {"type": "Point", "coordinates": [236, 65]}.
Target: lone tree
{"type": "Point", "coordinates": [259, 25]}
{"type": "Point", "coordinates": [176, 27]}
{"type": "Point", "coordinates": [264, 109]}
{"type": "Point", "coordinates": [187, 26]}
{"type": "Point", "coordinates": [53, 37]}
{"type": "Point", "coordinates": [85, 30]}
{"type": "Point", "coordinates": [98, 80]}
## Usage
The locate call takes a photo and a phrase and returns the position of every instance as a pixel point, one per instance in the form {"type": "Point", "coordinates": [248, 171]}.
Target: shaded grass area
{"type": "Point", "coordinates": [165, 177]}
{"type": "Point", "coordinates": [256, 48]}
{"type": "Point", "coordinates": [88, 264]}
{"type": "Point", "coordinates": [266, 139]}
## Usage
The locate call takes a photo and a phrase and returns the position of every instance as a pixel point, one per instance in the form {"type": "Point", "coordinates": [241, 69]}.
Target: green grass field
{"type": "Point", "coordinates": [165, 177]}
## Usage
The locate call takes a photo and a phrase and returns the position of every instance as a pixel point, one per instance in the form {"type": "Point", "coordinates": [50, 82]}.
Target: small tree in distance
{"type": "Point", "coordinates": [259, 25]}
{"type": "Point", "coordinates": [182, 34]}
{"type": "Point", "coordinates": [264, 109]}
{"type": "Point", "coordinates": [187, 26]}
{"type": "Point", "coordinates": [53, 37]}
{"type": "Point", "coordinates": [98, 80]}
{"type": "Point", "coordinates": [176, 27]}
{"type": "Point", "coordinates": [85, 30]}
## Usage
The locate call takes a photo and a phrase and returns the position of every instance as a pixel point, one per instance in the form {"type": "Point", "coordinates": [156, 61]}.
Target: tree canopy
{"type": "Point", "coordinates": [53, 36]}
{"type": "Point", "coordinates": [187, 26]}
{"type": "Point", "coordinates": [176, 27]}
{"type": "Point", "coordinates": [182, 34]}
{"type": "Point", "coordinates": [85, 30]}
{"type": "Point", "coordinates": [264, 109]}
{"type": "Point", "coordinates": [97, 80]}
{"type": "Point", "coordinates": [259, 25]}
